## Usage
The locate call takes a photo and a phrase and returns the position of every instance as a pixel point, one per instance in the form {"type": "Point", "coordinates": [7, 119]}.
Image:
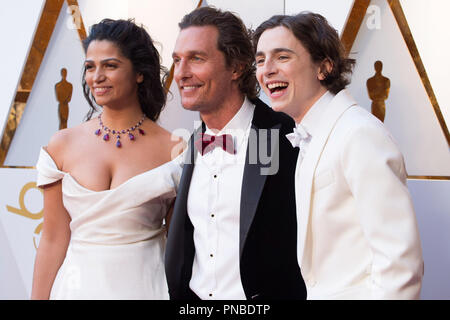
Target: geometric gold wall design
{"type": "Point", "coordinates": [378, 30]}
{"type": "Point", "coordinates": [153, 24]}
{"type": "Point", "coordinates": [352, 27]}
{"type": "Point", "coordinates": [43, 34]}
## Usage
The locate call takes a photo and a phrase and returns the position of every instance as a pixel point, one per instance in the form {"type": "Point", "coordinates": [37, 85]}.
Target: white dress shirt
{"type": "Point", "coordinates": [213, 207]}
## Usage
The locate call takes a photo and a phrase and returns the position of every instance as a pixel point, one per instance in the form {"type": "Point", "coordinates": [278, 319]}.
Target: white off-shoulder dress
{"type": "Point", "coordinates": [117, 243]}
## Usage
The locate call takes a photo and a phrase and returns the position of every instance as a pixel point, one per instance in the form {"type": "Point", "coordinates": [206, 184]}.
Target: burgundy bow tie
{"type": "Point", "coordinates": [207, 143]}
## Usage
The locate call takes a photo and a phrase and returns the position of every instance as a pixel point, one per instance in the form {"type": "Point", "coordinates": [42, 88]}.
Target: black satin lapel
{"type": "Point", "coordinates": [255, 175]}
{"type": "Point", "coordinates": [180, 208]}
{"type": "Point", "coordinates": [177, 246]}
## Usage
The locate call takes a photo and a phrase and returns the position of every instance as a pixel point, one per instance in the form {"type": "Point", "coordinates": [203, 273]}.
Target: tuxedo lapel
{"type": "Point", "coordinates": [255, 171]}
{"type": "Point", "coordinates": [185, 180]}
{"type": "Point", "coordinates": [177, 256]}
{"type": "Point", "coordinates": [304, 177]}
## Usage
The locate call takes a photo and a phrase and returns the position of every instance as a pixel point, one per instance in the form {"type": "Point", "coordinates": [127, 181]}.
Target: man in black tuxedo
{"type": "Point", "coordinates": [232, 234]}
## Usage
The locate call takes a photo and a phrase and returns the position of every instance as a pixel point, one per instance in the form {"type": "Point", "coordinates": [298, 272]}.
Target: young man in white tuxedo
{"type": "Point", "coordinates": [357, 230]}
{"type": "Point", "coordinates": [233, 230]}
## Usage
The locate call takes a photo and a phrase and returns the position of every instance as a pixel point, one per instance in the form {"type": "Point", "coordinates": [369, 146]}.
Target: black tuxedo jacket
{"type": "Point", "coordinates": [268, 227]}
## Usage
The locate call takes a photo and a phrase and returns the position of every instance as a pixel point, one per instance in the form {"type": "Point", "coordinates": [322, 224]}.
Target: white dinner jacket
{"type": "Point", "coordinates": [357, 230]}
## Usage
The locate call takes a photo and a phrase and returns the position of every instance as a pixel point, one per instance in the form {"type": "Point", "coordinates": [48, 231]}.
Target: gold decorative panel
{"type": "Point", "coordinates": [44, 31]}
{"type": "Point", "coordinates": [350, 31]}
{"type": "Point", "coordinates": [353, 23]}
{"type": "Point", "coordinates": [407, 36]}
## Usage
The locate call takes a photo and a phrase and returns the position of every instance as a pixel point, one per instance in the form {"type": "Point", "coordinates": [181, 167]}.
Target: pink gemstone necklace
{"type": "Point", "coordinates": [128, 131]}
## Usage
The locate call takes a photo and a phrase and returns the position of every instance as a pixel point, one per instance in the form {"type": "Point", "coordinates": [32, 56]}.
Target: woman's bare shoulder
{"type": "Point", "coordinates": [63, 140]}
{"type": "Point", "coordinates": [173, 143]}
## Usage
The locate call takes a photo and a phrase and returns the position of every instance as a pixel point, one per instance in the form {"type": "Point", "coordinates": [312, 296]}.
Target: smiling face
{"type": "Point", "coordinates": [200, 71]}
{"type": "Point", "coordinates": [110, 75]}
{"type": "Point", "coordinates": [286, 73]}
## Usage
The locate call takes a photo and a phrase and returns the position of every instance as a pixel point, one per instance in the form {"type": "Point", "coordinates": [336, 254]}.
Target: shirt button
{"type": "Point", "coordinates": [215, 176]}
{"type": "Point", "coordinates": [212, 215]}
{"type": "Point", "coordinates": [211, 255]}
{"type": "Point", "coordinates": [210, 294]}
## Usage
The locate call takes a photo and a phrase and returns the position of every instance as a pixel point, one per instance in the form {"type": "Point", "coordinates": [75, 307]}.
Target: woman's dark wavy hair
{"type": "Point", "coordinates": [136, 45]}
{"type": "Point", "coordinates": [234, 41]}
{"type": "Point", "coordinates": [320, 39]}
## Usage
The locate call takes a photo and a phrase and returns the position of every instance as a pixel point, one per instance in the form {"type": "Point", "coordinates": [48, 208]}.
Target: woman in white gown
{"type": "Point", "coordinates": [107, 191]}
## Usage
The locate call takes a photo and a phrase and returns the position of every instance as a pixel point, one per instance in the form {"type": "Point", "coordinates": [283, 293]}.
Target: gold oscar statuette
{"type": "Point", "coordinates": [63, 90]}
{"type": "Point", "coordinates": [378, 87]}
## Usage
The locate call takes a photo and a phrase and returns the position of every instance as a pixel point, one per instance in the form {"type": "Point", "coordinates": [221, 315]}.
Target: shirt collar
{"type": "Point", "coordinates": [239, 124]}
{"type": "Point", "coordinates": [314, 115]}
